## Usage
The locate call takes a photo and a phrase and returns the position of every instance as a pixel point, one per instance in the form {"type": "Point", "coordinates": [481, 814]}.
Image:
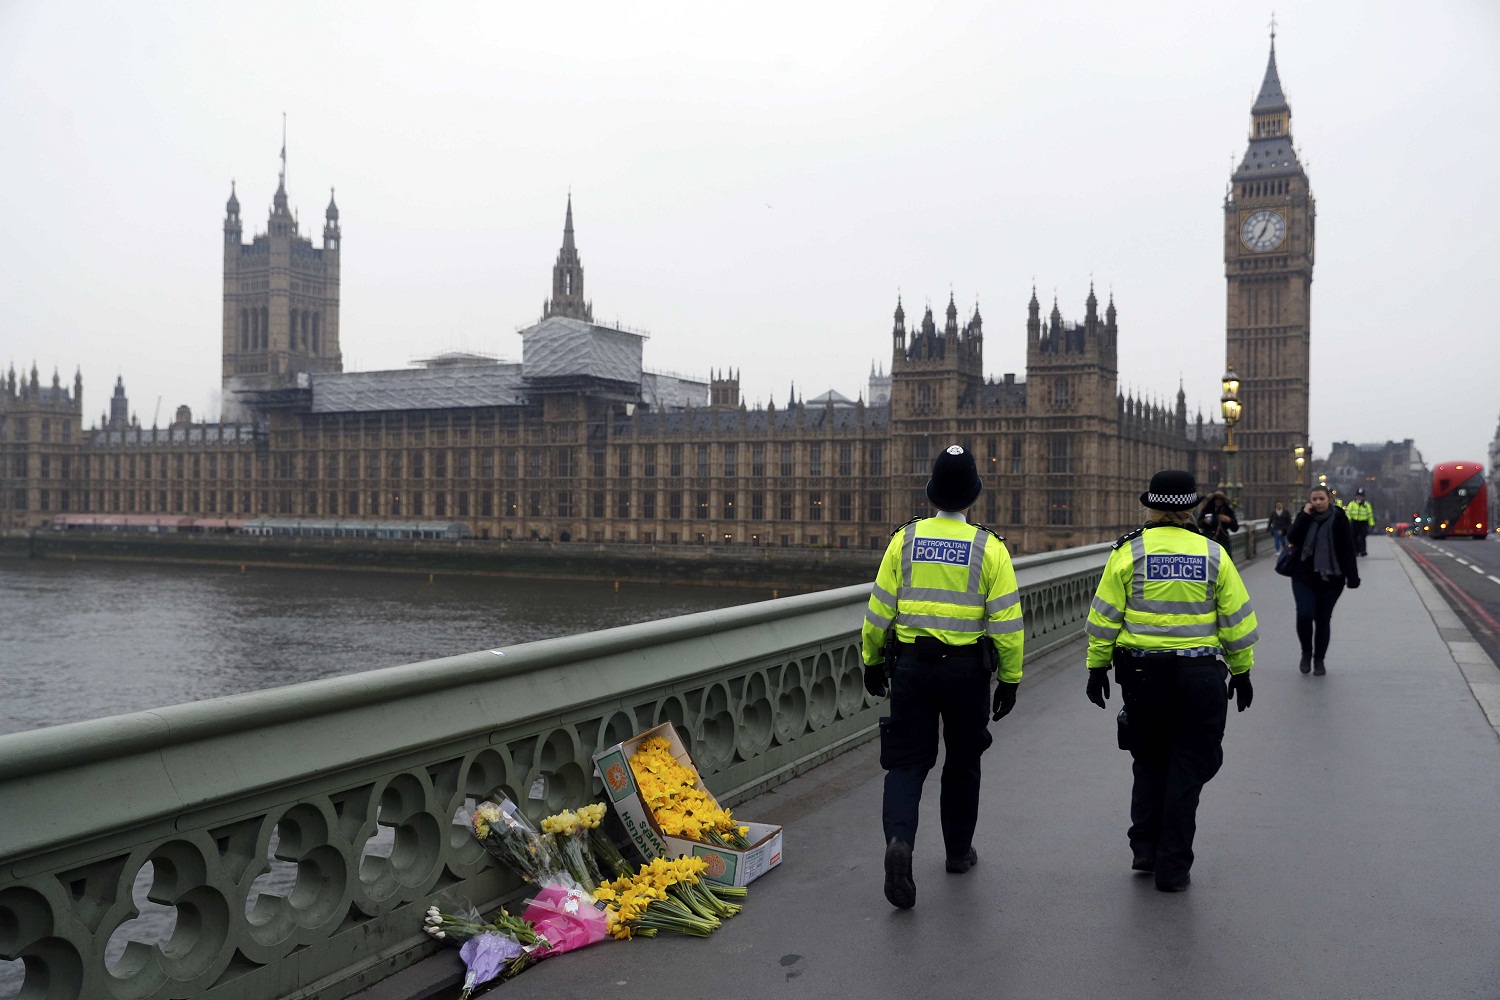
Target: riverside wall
{"type": "Point", "coordinates": [787, 570]}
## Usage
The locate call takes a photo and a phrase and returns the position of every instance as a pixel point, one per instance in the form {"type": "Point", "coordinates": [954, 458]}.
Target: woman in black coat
{"type": "Point", "coordinates": [1217, 518]}
{"type": "Point", "coordinates": [1325, 564]}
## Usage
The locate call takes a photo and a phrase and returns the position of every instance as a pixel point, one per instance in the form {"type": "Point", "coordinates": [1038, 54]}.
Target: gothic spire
{"type": "Point", "coordinates": [1271, 98]}
{"type": "Point", "coordinates": [568, 224]}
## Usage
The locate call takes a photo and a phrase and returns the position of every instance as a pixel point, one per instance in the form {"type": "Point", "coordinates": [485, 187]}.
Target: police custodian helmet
{"type": "Point", "coordinates": [1171, 489]}
{"type": "Point", "coordinates": [955, 484]}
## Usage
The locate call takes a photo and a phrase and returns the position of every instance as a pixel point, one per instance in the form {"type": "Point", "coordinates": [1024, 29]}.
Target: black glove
{"type": "Point", "coordinates": [875, 679]}
{"type": "Point", "coordinates": [1005, 699]}
{"type": "Point", "coordinates": [1099, 685]}
{"type": "Point", "coordinates": [1240, 690]}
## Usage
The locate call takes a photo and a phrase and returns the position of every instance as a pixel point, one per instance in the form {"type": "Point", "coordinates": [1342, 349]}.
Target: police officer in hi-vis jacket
{"type": "Point", "coordinates": [946, 594]}
{"type": "Point", "coordinates": [1169, 607]}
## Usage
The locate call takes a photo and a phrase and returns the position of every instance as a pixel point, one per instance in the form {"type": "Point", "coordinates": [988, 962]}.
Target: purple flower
{"type": "Point", "coordinates": [484, 956]}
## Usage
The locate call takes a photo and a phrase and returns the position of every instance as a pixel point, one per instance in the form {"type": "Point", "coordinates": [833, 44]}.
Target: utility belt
{"type": "Point", "coordinates": [926, 649]}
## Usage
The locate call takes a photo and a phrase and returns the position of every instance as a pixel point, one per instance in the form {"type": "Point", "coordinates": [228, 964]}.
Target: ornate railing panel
{"type": "Point", "coordinates": [287, 841]}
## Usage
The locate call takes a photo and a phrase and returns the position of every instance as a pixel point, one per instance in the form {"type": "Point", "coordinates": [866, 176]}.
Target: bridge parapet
{"type": "Point", "coordinates": [300, 832]}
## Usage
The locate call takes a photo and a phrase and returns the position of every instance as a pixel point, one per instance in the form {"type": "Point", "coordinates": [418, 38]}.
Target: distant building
{"type": "Point", "coordinates": [580, 441]}
{"type": "Point", "coordinates": [1393, 474]}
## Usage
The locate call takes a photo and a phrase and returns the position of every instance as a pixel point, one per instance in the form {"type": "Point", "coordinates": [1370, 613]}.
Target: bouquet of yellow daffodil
{"type": "Point", "coordinates": [509, 836]}
{"type": "Point", "coordinates": [566, 834]}
{"type": "Point", "coordinates": [666, 896]}
{"type": "Point", "coordinates": [605, 854]}
{"type": "Point", "coordinates": [682, 809]}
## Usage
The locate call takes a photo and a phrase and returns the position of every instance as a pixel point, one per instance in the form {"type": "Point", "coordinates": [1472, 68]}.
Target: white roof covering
{"type": "Point", "coordinates": [560, 347]}
{"type": "Point", "coordinates": [672, 392]}
{"type": "Point", "coordinates": [441, 388]}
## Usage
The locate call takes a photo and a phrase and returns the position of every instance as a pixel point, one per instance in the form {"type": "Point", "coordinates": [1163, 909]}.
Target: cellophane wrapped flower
{"type": "Point", "coordinates": [665, 896]}
{"type": "Point", "coordinates": [505, 946]}
{"type": "Point", "coordinates": [682, 809]}
{"type": "Point", "coordinates": [568, 840]}
{"type": "Point", "coordinates": [607, 857]}
{"type": "Point", "coordinates": [509, 836]}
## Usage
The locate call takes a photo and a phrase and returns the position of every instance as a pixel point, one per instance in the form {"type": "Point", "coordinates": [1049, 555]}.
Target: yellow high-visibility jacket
{"type": "Point", "coordinates": [1360, 510]}
{"type": "Point", "coordinates": [1170, 590]}
{"type": "Point", "coordinates": [950, 580]}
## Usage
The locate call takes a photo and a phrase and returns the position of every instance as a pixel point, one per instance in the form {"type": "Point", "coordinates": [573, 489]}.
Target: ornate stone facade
{"type": "Point", "coordinates": [281, 301]}
{"type": "Point", "coordinates": [1269, 229]}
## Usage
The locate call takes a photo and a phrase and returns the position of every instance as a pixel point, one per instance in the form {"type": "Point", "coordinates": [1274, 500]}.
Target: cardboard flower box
{"type": "Point", "coordinates": [726, 865]}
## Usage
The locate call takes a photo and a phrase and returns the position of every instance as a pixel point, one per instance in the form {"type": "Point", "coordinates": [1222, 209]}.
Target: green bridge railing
{"type": "Point", "coordinates": [300, 832]}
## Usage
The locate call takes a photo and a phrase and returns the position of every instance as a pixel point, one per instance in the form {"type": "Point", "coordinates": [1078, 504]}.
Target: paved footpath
{"type": "Point", "coordinates": [1350, 848]}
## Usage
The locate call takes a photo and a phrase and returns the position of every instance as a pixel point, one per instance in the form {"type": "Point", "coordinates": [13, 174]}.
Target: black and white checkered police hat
{"type": "Point", "coordinates": [1172, 489]}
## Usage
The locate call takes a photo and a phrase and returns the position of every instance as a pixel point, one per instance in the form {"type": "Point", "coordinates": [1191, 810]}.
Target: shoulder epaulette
{"type": "Point", "coordinates": [1128, 537]}
{"type": "Point", "coordinates": [904, 524]}
{"type": "Point", "coordinates": [985, 527]}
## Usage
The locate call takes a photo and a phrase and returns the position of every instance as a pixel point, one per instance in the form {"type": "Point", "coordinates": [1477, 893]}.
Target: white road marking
{"type": "Point", "coordinates": [1477, 570]}
{"type": "Point", "coordinates": [1495, 578]}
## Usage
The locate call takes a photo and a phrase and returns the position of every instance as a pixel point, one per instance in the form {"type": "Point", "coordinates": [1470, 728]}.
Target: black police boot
{"type": "Point", "coordinates": [1175, 885]}
{"type": "Point", "coordinates": [1143, 863]}
{"type": "Point", "coordinates": [1305, 664]}
{"type": "Point", "coordinates": [1318, 669]}
{"type": "Point", "coordinates": [959, 865]}
{"type": "Point", "coordinates": [899, 887]}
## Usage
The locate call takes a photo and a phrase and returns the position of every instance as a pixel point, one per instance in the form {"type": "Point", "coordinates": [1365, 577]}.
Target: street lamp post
{"type": "Point", "coordinates": [1299, 458]}
{"type": "Point", "coordinates": [1229, 402]}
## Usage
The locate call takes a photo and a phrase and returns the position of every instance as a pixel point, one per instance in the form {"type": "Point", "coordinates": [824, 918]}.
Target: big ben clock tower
{"type": "Point", "coordinates": [1269, 217]}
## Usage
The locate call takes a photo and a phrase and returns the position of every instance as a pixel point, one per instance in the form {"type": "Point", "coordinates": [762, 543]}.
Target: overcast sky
{"type": "Point", "coordinates": [753, 187]}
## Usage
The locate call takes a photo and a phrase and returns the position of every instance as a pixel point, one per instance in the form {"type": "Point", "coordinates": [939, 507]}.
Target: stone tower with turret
{"type": "Point", "coordinates": [281, 301]}
{"type": "Point", "coordinates": [1269, 217]}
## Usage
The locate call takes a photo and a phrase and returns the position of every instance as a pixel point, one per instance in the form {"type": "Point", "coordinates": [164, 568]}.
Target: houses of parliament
{"type": "Point", "coordinates": [579, 441]}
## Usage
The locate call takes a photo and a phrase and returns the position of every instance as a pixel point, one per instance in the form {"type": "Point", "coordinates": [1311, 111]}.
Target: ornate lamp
{"type": "Point", "coordinates": [1299, 459]}
{"type": "Point", "coordinates": [1229, 403]}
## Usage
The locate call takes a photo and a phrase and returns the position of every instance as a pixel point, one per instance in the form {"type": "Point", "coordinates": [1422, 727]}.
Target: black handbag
{"type": "Point", "coordinates": [1286, 561]}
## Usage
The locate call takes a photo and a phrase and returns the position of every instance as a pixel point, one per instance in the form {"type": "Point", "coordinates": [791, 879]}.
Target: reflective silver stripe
{"type": "Point", "coordinates": [1106, 609]}
{"type": "Point", "coordinates": [1215, 551]}
{"type": "Point", "coordinates": [1173, 607]}
{"type": "Point", "coordinates": [883, 596]}
{"type": "Point", "coordinates": [1005, 626]}
{"type": "Point", "coordinates": [976, 558]}
{"type": "Point", "coordinates": [878, 620]}
{"type": "Point", "coordinates": [1101, 631]}
{"type": "Point", "coordinates": [941, 622]}
{"type": "Point", "coordinates": [1002, 602]}
{"type": "Point", "coordinates": [957, 597]}
{"type": "Point", "coordinates": [1243, 642]}
{"type": "Point", "coordinates": [1138, 571]}
{"type": "Point", "coordinates": [1198, 630]}
{"type": "Point", "coordinates": [1230, 621]}
{"type": "Point", "coordinates": [908, 545]}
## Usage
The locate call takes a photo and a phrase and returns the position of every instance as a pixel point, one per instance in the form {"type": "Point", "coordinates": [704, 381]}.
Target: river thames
{"type": "Point", "coordinates": [85, 640]}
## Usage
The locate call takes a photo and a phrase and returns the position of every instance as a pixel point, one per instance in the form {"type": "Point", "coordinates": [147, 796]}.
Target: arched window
{"type": "Point", "coordinates": [317, 345]}
{"type": "Point", "coordinates": [265, 327]}
{"type": "Point", "coordinates": [244, 329]}
{"type": "Point", "coordinates": [568, 283]}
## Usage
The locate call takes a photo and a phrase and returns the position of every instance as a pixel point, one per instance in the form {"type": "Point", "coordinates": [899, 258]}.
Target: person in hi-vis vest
{"type": "Point", "coordinates": [1170, 612]}
{"type": "Point", "coordinates": [946, 614]}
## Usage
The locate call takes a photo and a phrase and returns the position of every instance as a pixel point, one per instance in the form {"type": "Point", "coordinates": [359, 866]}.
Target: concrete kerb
{"type": "Point", "coordinates": [1479, 671]}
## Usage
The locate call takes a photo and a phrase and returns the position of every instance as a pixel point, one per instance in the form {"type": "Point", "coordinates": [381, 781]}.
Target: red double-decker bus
{"type": "Point", "coordinates": [1460, 503]}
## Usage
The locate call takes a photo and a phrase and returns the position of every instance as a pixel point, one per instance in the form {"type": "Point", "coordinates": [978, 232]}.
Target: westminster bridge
{"type": "Point", "coordinates": [296, 835]}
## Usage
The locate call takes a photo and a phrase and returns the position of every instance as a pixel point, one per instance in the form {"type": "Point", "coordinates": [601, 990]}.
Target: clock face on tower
{"type": "Point", "coordinates": [1264, 230]}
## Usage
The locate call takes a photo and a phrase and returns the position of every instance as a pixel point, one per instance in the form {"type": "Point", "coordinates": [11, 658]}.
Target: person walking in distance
{"type": "Point", "coordinates": [1217, 519]}
{"type": "Point", "coordinates": [1279, 523]}
{"type": "Point", "coordinates": [946, 614]}
{"type": "Point", "coordinates": [1361, 519]}
{"type": "Point", "coordinates": [1325, 564]}
{"type": "Point", "coordinates": [1169, 606]}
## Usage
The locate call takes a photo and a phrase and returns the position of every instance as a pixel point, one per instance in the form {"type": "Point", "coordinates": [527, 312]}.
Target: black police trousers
{"type": "Point", "coordinates": [933, 682]}
{"type": "Point", "coordinates": [1176, 710]}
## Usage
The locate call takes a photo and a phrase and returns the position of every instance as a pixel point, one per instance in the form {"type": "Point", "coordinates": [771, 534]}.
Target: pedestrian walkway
{"type": "Point", "coordinates": [1346, 850]}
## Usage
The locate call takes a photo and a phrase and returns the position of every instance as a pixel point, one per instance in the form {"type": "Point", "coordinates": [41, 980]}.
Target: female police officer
{"type": "Point", "coordinates": [949, 589]}
{"type": "Point", "coordinates": [1169, 605]}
